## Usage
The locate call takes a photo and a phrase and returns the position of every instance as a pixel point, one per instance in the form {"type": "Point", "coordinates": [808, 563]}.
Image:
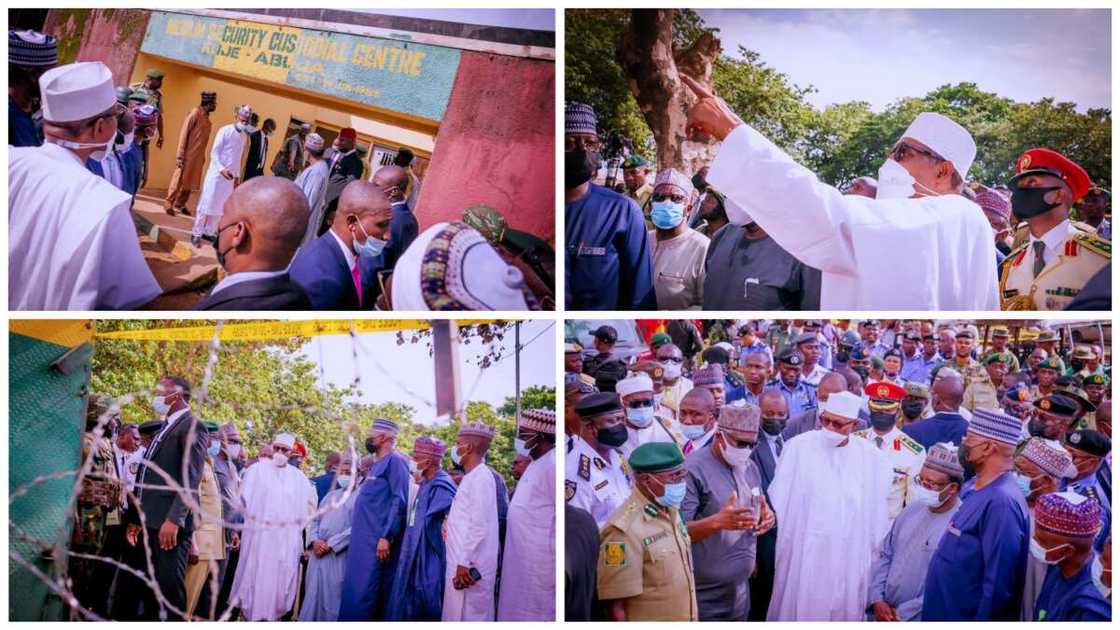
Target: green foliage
{"type": "Point", "coordinates": [845, 140]}
{"type": "Point", "coordinates": [266, 387]}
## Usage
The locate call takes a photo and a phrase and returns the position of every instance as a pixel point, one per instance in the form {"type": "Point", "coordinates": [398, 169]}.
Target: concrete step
{"type": "Point", "coordinates": [184, 272]}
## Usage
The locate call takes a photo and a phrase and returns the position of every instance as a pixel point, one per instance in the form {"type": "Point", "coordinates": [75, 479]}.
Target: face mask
{"type": "Point", "coordinates": [672, 371]}
{"type": "Point", "coordinates": [1031, 202]}
{"type": "Point", "coordinates": [456, 456]}
{"type": "Point", "coordinates": [372, 247]}
{"type": "Point", "coordinates": [579, 166]}
{"type": "Point", "coordinates": [1024, 483]}
{"type": "Point", "coordinates": [1040, 553]}
{"type": "Point", "coordinates": [895, 182]}
{"type": "Point", "coordinates": [737, 457]}
{"type": "Point", "coordinates": [280, 460]}
{"type": "Point", "coordinates": [369, 446]}
{"type": "Point", "coordinates": [962, 457]}
{"type": "Point", "coordinates": [1097, 571]}
{"type": "Point", "coordinates": [913, 408]}
{"type": "Point", "coordinates": [927, 497]}
{"type": "Point", "coordinates": [125, 140]}
{"type": "Point", "coordinates": [214, 448]}
{"type": "Point", "coordinates": [413, 467]}
{"type": "Point", "coordinates": [673, 495]}
{"type": "Point", "coordinates": [103, 148]}
{"type": "Point", "coordinates": [641, 417]}
{"type": "Point", "coordinates": [666, 214]}
{"type": "Point", "coordinates": [774, 426]}
{"type": "Point", "coordinates": [833, 438]}
{"type": "Point", "coordinates": [233, 450]}
{"type": "Point", "coordinates": [343, 480]}
{"type": "Point", "coordinates": [159, 403]}
{"type": "Point", "coordinates": [520, 446]}
{"type": "Point", "coordinates": [1036, 428]}
{"type": "Point", "coordinates": [882, 421]}
{"type": "Point", "coordinates": [612, 436]}
{"type": "Point", "coordinates": [693, 431]}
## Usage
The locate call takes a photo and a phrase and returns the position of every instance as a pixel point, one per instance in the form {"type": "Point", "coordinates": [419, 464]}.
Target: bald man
{"type": "Point", "coordinates": [258, 233]}
{"type": "Point", "coordinates": [393, 181]}
{"type": "Point", "coordinates": [339, 269]}
{"type": "Point", "coordinates": [946, 424]}
{"type": "Point", "coordinates": [810, 419]}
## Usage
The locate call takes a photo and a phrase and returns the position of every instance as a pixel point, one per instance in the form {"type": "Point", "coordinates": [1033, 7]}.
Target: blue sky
{"type": "Point", "coordinates": [532, 19]}
{"type": "Point", "coordinates": [405, 373]}
{"type": "Point", "coordinates": [882, 55]}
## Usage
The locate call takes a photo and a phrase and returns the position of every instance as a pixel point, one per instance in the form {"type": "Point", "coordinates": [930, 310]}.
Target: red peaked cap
{"type": "Point", "coordinates": [1040, 160]}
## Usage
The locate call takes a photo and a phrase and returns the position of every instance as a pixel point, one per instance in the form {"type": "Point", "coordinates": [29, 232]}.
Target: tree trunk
{"type": "Point", "coordinates": [652, 69]}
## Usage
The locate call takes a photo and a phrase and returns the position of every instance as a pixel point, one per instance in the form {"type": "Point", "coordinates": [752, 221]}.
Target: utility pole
{"type": "Point", "coordinates": [517, 368]}
{"type": "Point", "coordinates": [445, 346]}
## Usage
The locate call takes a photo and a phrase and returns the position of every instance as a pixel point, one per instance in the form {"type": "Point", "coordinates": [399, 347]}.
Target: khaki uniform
{"type": "Point", "coordinates": [208, 537]}
{"type": "Point", "coordinates": [1081, 255]}
{"type": "Point", "coordinates": [906, 456]}
{"type": "Point", "coordinates": [640, 197]}
{"type": "Point", "coordinates": [980, 393]}
{"type": "Point", "coordinates": [645, 558]}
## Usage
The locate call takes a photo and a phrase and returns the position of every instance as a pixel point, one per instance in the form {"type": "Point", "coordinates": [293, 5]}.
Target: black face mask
{"type": "Point", "coordinates": [612, 436]}
{"type": "Point", "coordinates": [579, 166]}
{"type": "Point", "coordinates": [1076, 364]}
{"type": "Point", "coordinates": [962, 457]}
{"type": "Point", "coordinates": [842, 355]}
{"type": "Point", "coordinates": [774, 426]}
{"type": "Point", "coordinates": [1030, 202]}
{"type": "Point", "coordinates": [1038, 428]}
{"type": "Point", "coordinates": [369, 446]}
{"type": "Point", "coordinates": [913, 408]}
{"type": "Point", "coordinates": [699, 183]}
{"type": "Point", "coordinates": [881, 420]}
{"type": "Point", "coordinates": [862, 371]}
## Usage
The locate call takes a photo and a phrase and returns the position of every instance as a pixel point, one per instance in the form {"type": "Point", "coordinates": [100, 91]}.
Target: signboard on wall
{"type": "Point", "coordinates": [401, 76]}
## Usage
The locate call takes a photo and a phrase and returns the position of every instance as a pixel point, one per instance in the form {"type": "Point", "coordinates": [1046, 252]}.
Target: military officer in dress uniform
{"type": "Point", "coordinates": [1048, 271]}
{"type": "Point", "coordinates": [645, 555]}
{"type": "Point", "coordinates": [905, 454]}
{"type": "Point", "coordinates": [981, 391]}
{"type": "Point", "coordinates": [1089, 448]}
{"type": "Point", "coordinates": [595, 475]}
{"type": "Point", "coordinates": [644, 423]}
{"type": "Point", "coordinates": [1000, 337]}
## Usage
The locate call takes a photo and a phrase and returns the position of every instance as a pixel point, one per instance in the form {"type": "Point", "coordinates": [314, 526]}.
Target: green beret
{"type": "Point", "coordinates": [656, 457]}
{"type": "Point", "coordinates": [154, 73]}
{"type": "Point", "coordinates": [660, 338]}
{"type": "Point", "coordinates": [635, 161]}
{"type": "Point", "coordinates": [1051, 363]}
{"type": "Point", "coordinates": [876, 362]}
{"type": "Point", "coordinates": [992, 357]}
{"type": "Point", "coordinates": [1096, 379]}
{"type": "Point", "coordinates": [916, 390]}
{"type": "Point", "coordinates": [211, 426]}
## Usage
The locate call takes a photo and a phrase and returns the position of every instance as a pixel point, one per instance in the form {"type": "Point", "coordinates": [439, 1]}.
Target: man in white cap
{"type": "Point", "coordinates": [71, 241]}
{"type": "Point", "coordinates": [678, 250]}
{"type": "Point", "coordinates": [279, 501]}
{"type": "Point", "coordinates": [312, 180]}
{"type": "Point", "coordinates": [829, 494]}
{"type": "Point", "coordinates": [919, 244]}
{"type": "Point", "coordinates": [643, 424]}
{"type": "Point", "coordinates": [222, 175]}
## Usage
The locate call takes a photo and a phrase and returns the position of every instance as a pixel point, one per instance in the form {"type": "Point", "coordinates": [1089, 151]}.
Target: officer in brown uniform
{"type": "Point", "coordinates": [645, 556]}
{"type": "Point", "coordinates": [981, 390]}
{"type": "Point", "coordinates": [1048, 271]}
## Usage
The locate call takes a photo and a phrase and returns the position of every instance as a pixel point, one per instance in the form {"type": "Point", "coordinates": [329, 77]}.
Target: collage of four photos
{"type": "Point", "coordinates": [923, 193]}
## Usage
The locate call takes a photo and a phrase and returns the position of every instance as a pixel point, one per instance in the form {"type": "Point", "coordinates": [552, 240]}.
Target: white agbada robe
{"type": "Point", "coordinates": [72, 244]}
{"type": "Point", "coordinates": [226, 153]}
{"type": "Point", "coordinates": [528, 590]}
{"type": "Point", "coordinates": [472, 541]}
{"type": "Point", "coordinates": [929, 253]}
{"type": "Point", "coordinates": [267, 571]}
{"type": "Point", "coordinates": [831, 509]}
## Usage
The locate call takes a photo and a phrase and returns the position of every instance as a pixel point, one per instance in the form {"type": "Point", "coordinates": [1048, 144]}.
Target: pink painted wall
{"type": "Point", "coordinates": [496, 145]}
{"type": "Point", "coordinates": [111, 36]}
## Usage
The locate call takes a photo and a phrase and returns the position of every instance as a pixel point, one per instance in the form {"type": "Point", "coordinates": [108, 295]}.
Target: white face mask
{"type": "Point", "coordinates": [672, 371]}
{"type": "Point", "coordinates": [280, 460]}
{"type": "Point", "coordinates": [1097, 571]}
{"type": "Point", "coordinates": [98, 155]}
{"type": "Point", "coordinates": [159, 403]}
{"type": "Point", "coordinates": [737, 457]}
{"type": "Point", "coordinates": [343, 480]}
{"type": "Point", "coordinates": [1039, 552]}
{"type": "Point", "coordinates": [233, 450]}
{"type": "Point", "coordinates": [927, 497]}
{"type": "Point", "coordinates": [895, 182]}
{"type": "Point", "coordinates": [833, 438]}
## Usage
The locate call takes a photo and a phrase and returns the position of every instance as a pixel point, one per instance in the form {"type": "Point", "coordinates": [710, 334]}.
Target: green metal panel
{"type": "Point", "coordinates": [46, 408]}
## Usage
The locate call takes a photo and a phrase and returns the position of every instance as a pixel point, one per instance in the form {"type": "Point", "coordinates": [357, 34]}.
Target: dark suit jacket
{"type": "Point", "coordinates": [402, 231]}
{"type": "Point", "coordinates": [321, 271]}
{"type": "Point", "coordinates": [254, 160]}
{"type": "Point", "coordinates": [323, 484]}
{"type": "Point", "coordinates": [167, 454]}
{"type": "Point", "coordinates": [276, 293]}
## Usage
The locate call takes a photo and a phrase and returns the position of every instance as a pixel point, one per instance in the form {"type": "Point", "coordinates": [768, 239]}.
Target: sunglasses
{"type": "Point", "coordinates": [638, 404]}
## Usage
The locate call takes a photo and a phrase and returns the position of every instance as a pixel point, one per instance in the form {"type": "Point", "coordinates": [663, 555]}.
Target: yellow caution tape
{"type": "Point", "coordinates": [61, 332]}
{"type": "Point", "coordinates": [264, 330]}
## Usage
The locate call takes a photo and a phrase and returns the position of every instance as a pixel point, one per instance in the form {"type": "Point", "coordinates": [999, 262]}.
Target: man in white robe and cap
{"type": "Point", "coordinates": [829, 494]}
{"type": "Point", "coordinates": [472, 531]}
{"type": "Point", "coordinates": [528, 590]}
{"type": "Point", "coordinates": [72, 244]}
{"type": "Point", "coordinates": [919, 244]}
{"type": "Point", "coordinates": [222, 175]}
{"type": "Point", "coordinates": [279, 503]}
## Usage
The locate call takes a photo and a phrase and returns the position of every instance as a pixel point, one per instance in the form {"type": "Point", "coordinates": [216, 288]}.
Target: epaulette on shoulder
{"type": "Point", "coordinates": [912, 444]}
{"type": "Point", "coordinates": [1095, 244]}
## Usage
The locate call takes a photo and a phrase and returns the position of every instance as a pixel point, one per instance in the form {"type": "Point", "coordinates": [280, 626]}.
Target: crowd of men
{"type": "Point", "coordinates": [176, 521]}
{"type": "Point", "coordinates": [754, 230]}
{"type": "Point", "coordinates": [313, 234]}
{"type": "Point", "coordinates": [888, 471]}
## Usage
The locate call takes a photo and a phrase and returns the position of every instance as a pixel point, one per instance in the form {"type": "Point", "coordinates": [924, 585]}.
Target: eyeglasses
{"type": "Point", "coordinates": [929, 486]}
{"type": "Point", "coordinates": [665, 197]}
{"type": "Point", "coordinates": [671, 476]}
{"type": "Point", "coordinates": [281, 449]}
{"type": "Point", "coordinates": [589, 143]}
{"type": "Point", "coordinates": [899, 151]}
{"type": "Point", "coordinates": [671, 360]}
{"type": "Point", "coordinates": [638, 404]}
{"type": "Point", "coordinates": [837, 424]}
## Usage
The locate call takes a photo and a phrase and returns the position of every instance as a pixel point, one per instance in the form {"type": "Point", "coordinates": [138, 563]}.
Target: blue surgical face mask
{"type": "Point", "coordinates": [372, 247]}
{"type": "Point", "coordinates": [693, 431]}
{"type": "Point", "coordinates": [214, 448]}
{"type": "Point", "coordinates": [1024, 483]}
{"type": "Point", "coordinates": [641, 417]}
{"type": "Point", "coordinates": [666, 214]}
{"type": "Point", "coordinates": [673, 495]}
